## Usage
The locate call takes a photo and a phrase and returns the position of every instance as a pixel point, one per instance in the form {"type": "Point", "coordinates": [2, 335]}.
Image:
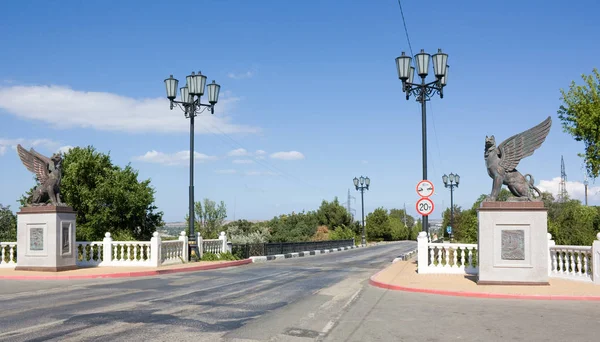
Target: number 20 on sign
{"type": "Point", "coordinates": [424, 206]}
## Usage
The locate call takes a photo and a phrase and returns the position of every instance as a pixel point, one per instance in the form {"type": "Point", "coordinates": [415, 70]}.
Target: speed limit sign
{"type": "Point", "coordinates": [424, 206]}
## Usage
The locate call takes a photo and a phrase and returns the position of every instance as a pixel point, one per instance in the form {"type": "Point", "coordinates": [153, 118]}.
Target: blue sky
{"type": "Point", "coordinates": [314, 80]}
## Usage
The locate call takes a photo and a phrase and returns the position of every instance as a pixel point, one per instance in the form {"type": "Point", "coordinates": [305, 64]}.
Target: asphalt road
{"type": "Point", "coordinates": [287, 300]}
{"type": "Point", "coordinates": [320, 298]}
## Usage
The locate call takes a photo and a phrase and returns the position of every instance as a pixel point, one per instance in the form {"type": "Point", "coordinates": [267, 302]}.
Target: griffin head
{"type": "Point", "coordinates": [490, 142]}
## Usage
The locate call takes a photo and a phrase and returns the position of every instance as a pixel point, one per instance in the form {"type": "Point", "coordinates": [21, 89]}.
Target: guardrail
{"type": "Point", "coordinates": [271, 248]}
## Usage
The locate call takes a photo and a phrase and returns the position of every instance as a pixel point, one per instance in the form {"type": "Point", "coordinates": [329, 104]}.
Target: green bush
{"type": "Point", "coordinates": [218, 257]}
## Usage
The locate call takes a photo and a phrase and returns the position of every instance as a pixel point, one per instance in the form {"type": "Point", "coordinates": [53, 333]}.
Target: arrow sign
{"type": "Point", "coordinates": [425, 188]}
{"type": "Point", "coordinates": [424, 206]}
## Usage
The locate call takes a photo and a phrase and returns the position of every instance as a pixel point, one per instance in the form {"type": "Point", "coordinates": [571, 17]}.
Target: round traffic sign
{"type": "Point", "coordinates": [425, 188]}
{"type": "Point", "coordinates": [425, 206]}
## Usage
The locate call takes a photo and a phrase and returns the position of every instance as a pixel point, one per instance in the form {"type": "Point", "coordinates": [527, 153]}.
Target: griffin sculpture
{"type": "Point", "coordinates": [48, 172]}
{"type": "Point", "coordinates": [501, 161]}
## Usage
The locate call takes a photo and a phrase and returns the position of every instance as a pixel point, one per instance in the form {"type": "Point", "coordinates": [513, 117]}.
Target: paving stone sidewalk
{"type": "Point", "coordinates": [402, 275]}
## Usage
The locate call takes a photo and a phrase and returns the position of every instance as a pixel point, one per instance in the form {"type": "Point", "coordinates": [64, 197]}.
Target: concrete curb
{"type": "Point", "coordinates": [405, 256]}
{"type": "Point", "coordinates": [301, 254]}
{"type": "Point", "coordinates": [478, 294]}
{"type": "Point", "coordinates": [128, 274]}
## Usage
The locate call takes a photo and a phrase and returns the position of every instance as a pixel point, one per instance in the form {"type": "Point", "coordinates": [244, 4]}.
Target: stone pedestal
{"type": "Point", "coordinates": [513, 243]}
{"type": "Point", "coordinates": [46, 239]}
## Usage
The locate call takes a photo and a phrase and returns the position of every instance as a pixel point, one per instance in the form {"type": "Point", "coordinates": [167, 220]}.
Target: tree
{"type": "Point", "coordinates": [398, 230]}
{"type": "Point", "coordinates": [107, 198]}
{"type": "Point", "coordinates": [378, 225]}
{"type": "Point", "coordinates": [403, 216]}
{"type": "Point", "coordinates": [580, 115]}
{"type": "Point", "coordinates": [8, 224]}
{"type": "Point", "coordinates": [208, 219]}
{"type": "Point", "coordinates": [333, 214]}
{"type": "Point", "coordinates": [293, 227]}
{"type": "Point", "coordinates": [416, 229]}
{"type": "Point", "coordinates": [322, 234]}
{"type": "Point", "coordinates": [342, 233]}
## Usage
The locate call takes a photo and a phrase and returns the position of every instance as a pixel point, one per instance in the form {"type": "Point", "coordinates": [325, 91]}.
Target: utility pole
{"type": "Point", "coordinates": [562, 187]}
{"type": "Point", "coordinates": [349, 205]}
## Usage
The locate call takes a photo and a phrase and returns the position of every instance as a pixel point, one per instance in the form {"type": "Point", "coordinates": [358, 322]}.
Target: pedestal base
{"type": "Point", "coordinates": [513, 243]}
{"type": "Point", "coordinates": [46, 239]}
{"type": "Point", "coordinates": [46, 269]}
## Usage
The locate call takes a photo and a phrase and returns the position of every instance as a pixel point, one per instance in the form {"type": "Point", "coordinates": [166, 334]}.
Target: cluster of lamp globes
{"type": "Point", "coordinates": [406, 72]}
{"type": "Point", "coordinates": [364, 182]}
{"type": "Point", "coordinates": [195, 85]}
{"type": "Point", "coordinates": [451, 180]}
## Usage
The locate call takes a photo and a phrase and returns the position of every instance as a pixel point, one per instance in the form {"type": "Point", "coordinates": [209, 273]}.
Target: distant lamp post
{"type": "Point", "coordinates": [423, 91]}
{"type": "Point", "coordinates": [360, 185]}
{"type": "Point", "coordinates": [451, 182]}
{"type": "Point", "coordinates": [190, 104]}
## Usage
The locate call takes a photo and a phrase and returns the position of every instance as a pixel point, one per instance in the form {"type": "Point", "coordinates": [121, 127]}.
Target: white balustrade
{"type": "Point", "coordinates": [130, 253]}
{"type": "Point", "coordinates": [212, 246]}
{"type": "Point", "coordinates": [89, 253]}
{"type": "Point", "coordinates": [171, 252]}
{"type": "Point", "coordinates": [571, 262]}
{"type": "Point", "coordinates": [450, 258]}
{"type": "Point", "coordinates": [8, 254]}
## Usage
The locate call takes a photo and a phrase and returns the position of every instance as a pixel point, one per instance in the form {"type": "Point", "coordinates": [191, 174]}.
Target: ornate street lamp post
{"type": "Point", "coordinates": [364, 184]}
{"type": "Point", "coordinates": [423, 91]}
{"type": "Point", "coordinates": [190, 104]}
{"type": "Point", "coordinates": [451, 182]}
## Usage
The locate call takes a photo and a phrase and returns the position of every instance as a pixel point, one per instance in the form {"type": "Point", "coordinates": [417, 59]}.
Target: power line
{"type": "Point", "coordinates": [405, 29]}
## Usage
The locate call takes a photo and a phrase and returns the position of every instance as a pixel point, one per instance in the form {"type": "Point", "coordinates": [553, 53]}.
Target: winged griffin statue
{"type": "Point", "coordinates": [48, 172]}
{"type": "Point", "coordinates": [501, 161]}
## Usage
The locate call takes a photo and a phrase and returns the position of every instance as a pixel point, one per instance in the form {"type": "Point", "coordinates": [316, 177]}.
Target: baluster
{"type": "Point", "coordinates": [470, 257]}
{"type": "Point", "coordinates": [1, 254]}
{"type": "Point", "coordinates": [135, 249]}
{"type": "Point", "coordinates": [122, 245]}
{"type": "Point", "coordinates": [560, 267]}
{"type": "Point", "coordinates": [440, 251]}
{"type": "Point", "coordinates": [585, 264]}
{"type": "Point", "coordinates": [11, 254]}
{"type": "Point", "coordinates": [573, 270]}
{"type": "Point", "coordinates": [462, 256]}
{"type": "Point", "coordinates": [579, 263]}
{"type": "Point", "coordinates": [114, 247]}
{"type": "Point", "coordinates": [455, 261]}
{"type": "Point", "coordinates": [431, 256]}
{"type": "Point", "coordinates": [554, 263]}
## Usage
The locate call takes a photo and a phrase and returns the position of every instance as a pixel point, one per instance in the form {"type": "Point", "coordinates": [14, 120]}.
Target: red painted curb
{"type": "Point", "coordinates": [479, 294]}
{"type": "Point", "coordinates": [129, 274]}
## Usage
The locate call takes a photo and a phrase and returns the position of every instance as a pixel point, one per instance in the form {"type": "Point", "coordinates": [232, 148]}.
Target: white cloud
{"type": "Point", "coordinates": [226, 171]}
{"type": "Point", "coordinates": [261, 173]}
{"type": "Point", "coordinates": [65, 149]}
{"type": "Point", "coordinates": [260, 154]}
{"type": "Point", "coordinates": [247, 74]}
{"type": "Point", "coordinates": [240, 152]}
{"type": "Point", "coordinates": [576, 190]}
{"type": "Point", "coordinates": [47, 144]}
{"type": "Point", "coordinates": [291, 155]}
{"type": "Point", "coordinates": [63, 107]}
{"type": "Point", "coordinates": [178, 158]}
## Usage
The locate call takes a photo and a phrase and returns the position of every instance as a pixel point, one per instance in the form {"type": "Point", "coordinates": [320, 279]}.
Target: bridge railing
{"type": "Point", "coordinates": [581, 263]}
{"type": "Point", "coordinates": [247, 250]}
{"type": "Point", "coordinates": [153, 253]}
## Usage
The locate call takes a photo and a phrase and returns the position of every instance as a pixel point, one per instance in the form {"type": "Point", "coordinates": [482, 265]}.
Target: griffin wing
{"type": "Point", "coordinates": [34, 162]}
{"type": "Point", "coordinates": [522, 145]}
